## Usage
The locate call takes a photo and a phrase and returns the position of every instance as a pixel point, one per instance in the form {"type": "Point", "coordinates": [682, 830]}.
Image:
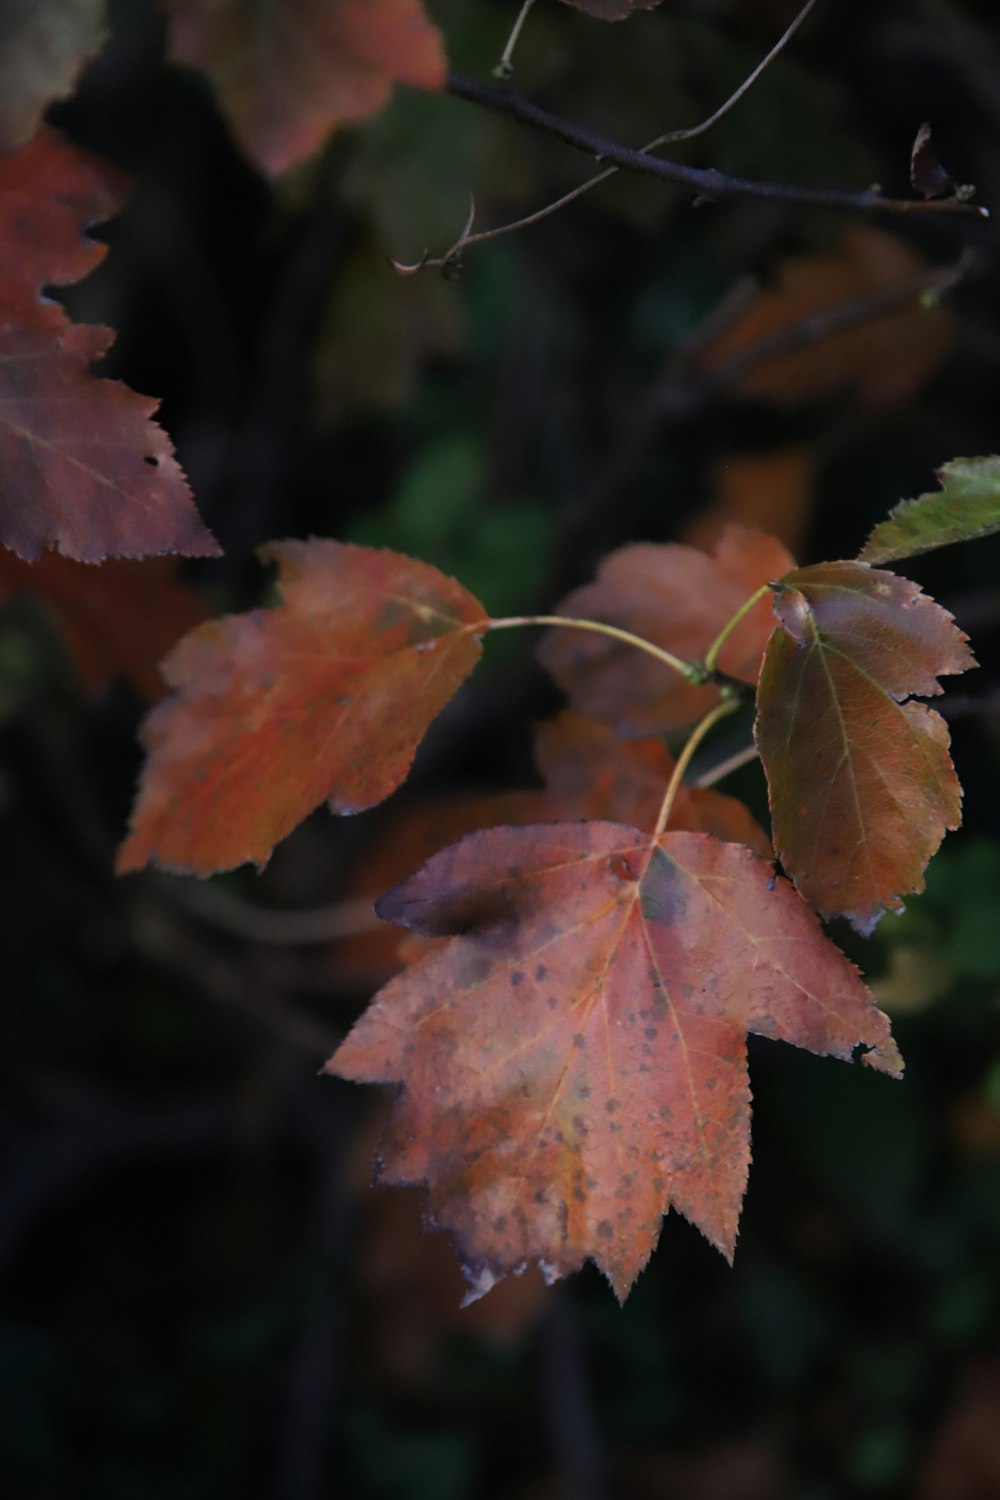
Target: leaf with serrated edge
{"type": "Point", "coordinates": [84, 469]}
{"type": "Point", "coordinates": [323, 698]}
{"type": "Point", "coordinates": [967, 506]}
{"type": "Point", "coordinates": [861, 785]}
{"type": "Point", "coordinates": [288, 72]}
{"type": "Point", "coordinates": [573, 1061]}
{"type": "Point", "coordinates": [676, 597]}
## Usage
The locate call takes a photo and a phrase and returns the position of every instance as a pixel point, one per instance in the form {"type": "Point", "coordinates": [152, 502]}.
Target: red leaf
{"type": "Point", "coordinates": [117, 619]}
{"type": "Point", "coordinates": [573, 1062]}
{"type": "Point", "coordinates": [678, 598]}
{"type": "Point", "coordinates": [773, 490]}
{"type": "Point", "coordinates": [82, 466]}
{"type": "Point", "coordinates": [289, 71]}
{"type": "Point", "coordinates": [861, 784]}
{"type": "Point", "coordinates": [325, 697]}
{"type": "Point", "coordinates": [588, 773]}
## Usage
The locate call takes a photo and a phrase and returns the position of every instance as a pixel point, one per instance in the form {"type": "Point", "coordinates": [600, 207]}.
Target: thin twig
{"type": "Point", "coordinates": [505, 66]}
{"type": "Point", "coordinates": [724, 768]}
{"type": "Point", "coordinates": [707, 183]}
{"type": "Point", "coordinates": [929, 286]}
{"type": "Point", "coordinates": [452, 257]}
{"type": "Point", "coordinates": [263, 924]}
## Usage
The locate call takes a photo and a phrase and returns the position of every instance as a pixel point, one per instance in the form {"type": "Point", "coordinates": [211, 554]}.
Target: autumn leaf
{"type": "Point", "coordinates": [43, 46]}
{"type": "Point", "coordinates": [884, 360]}
{"type": "Point", "coordinates": [966, 506]}
{"type": "Point", "coordinates": [400, 845]}
{"type": "Point", "coordinates": [678, 598]}
{"type": "Point", "coordinates": [588, 773]}
{"type": "Point", "coordinates": [773, 491]}
{"type": "Point", "coordinates": [573, 1061]}
{"type": "Point", "coordinates": [323, 698]}
{"type": "Point", "coordinates": [861, 784]}
{"type": "Point", "coordinates": [290, 71]}
{"type": "Point", "coordinates": [119, 619]}
{"type": "Point", "coordinates": [612, 10]}
{"type": "Point", "coordinates": [83, 468]}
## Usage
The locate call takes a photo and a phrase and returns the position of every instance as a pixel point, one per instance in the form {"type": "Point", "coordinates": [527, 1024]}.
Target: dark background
{"type": "Point", "coordinates": [201, 1296]}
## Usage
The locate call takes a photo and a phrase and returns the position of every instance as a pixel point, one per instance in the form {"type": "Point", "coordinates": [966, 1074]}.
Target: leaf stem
{"type": "Point", "coordinates": [720, 711]}
{"type": "Point", "coordinates": [688, 670]}
{"type": "Point", "coordinates": [712, 654]}
{"type": "Point", "coordinates": [505, 66]}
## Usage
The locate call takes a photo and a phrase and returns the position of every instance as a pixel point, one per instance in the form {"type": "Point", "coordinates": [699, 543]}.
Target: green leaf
{"type": "Point", "coordinates": [967, 506]}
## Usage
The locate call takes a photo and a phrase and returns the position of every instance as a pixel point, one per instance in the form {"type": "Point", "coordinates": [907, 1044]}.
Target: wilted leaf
{"type": "Point", "coordinates": [885, 359]}
{"type": "Point", "coordinates": [967, 506]}
{"type": "Point", "coordinates": [861, 784]}
{"type": "Point", "coordinates": [678, 598]}
{"type": "Point", "coordinates": [43, 46]}
{"type": "Point", "coordinates": [573, 1062]}
{"type": "Point", "coordinates": [323, 698]}
{"type": "Point", "coordinates": [927, 176]}
{"type": "Point", "coordinates": [290, 71]}
{"type": "Point", "coordinates": [83, 468]}
{"type": "Point", "coordinates": [117, 620]}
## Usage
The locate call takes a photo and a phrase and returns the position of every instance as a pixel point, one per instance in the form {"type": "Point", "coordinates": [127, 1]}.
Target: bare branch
{"type": "Point", "coordinates": [452, 257]}
{"type": "Point", "coordinates": [708, 184]}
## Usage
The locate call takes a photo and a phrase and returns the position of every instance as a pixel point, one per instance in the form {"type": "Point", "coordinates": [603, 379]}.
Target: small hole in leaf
{"type": "Point", "coordinates": [153, 462]}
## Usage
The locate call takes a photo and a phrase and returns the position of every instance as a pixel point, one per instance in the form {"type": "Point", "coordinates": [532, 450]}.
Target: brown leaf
{"type": "Point", "coordinates": [884, 360]}
{"type": "Point", "coordinates": [927, 176]}
{"type": "Point", "coordinates": [678, 598]}
{"type": "Point", "coordinates": [405, 841]}
{"type": "Point", "coordinates": [773, 491]}
{"type": "Point", "coordinates": [324, 698]}
{"type": "Point", "coordinates": [861, 784]}
{"type": "Point", "coordinates": [573, 1061]}
{"type": "Point", "coordinates": [83, 468]}
{"type": "Point", "coordinates": [410, 1286]}
{"type": "Point", "coordinates": [288, 72]}
{"type": "Point", "coordinates": [588, 773]}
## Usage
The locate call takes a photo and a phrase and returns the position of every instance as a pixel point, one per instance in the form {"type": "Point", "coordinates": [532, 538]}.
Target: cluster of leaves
{"type": "Point", "coordinates": [570, 1035]}
{"type": "Point", "coordinates": [572, 1043]}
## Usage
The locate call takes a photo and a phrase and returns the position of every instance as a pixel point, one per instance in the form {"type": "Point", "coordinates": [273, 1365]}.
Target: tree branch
{"type": "Point", "coordinates": [707, 183]}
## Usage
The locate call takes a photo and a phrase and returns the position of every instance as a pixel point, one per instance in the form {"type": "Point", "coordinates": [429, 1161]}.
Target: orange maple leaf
{"type": "Point", "coordinates": [573, 1061]}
